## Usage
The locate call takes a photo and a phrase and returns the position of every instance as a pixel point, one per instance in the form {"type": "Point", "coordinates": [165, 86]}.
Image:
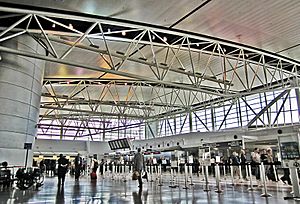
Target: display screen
{"type": "Point", "coordinates": [289, 150]}
{"type": "Point", "coordinates": [119, 144]}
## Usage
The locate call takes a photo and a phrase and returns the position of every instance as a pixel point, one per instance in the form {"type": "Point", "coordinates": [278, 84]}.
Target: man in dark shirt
{"type": "Point", "coordinates": [62, 169]}
{"type": "Point", "coordinates": [138, 165]}
{"type": "Point", "coordinates": [78, 165]}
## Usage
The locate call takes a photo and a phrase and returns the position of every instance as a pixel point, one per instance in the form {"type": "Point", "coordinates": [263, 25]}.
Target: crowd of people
{"type": "Point", "coordinates": [258, 156]}
{"type": "Point", "coordinates": [236, 163]}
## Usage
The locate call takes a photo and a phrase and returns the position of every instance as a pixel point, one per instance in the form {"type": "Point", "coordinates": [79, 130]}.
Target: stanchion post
{"type": "Point", "coordinates": [263, 174]}
{"type": "Point", "coordinates": [240, 172]}
{"type": "Point", "coordinates": [185, 177]}
{"type": "Point", "coordinates": [295, 182]}
{"type": "Point", "coordinates": [113, 171]}
{"type": "Point", "coordinates": [206, 188]}
{"type": "Point", "coordinates": [275, 172]}
{"type": "Point", "coordinates": [247, 170]}
{"type": "Point", "coordinates": [250, 177]}
{"type": "Point", "coordinates": [124, 172]}
{"type": "Point", "coordinates": [191, 174]}
{"type": "Point", "coordinates": [218, 185]}
{"type": "Point", "coordinates": [231, 174]}
{"type": "Point", "coordinates": [172, 184]}
{"type": "Point", "coordinates": [151, 172]}
{"type": "Point", "coordinates": [160, 175]}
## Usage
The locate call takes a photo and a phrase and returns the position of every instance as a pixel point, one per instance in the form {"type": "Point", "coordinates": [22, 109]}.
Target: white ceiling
{"type": "Point", "coordinates": [270, 25]}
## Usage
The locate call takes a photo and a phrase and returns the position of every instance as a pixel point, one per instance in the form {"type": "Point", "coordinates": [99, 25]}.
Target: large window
{"type": "Point", "coordinates": [270, 109]}
{"type": "Point", "coordinates": [96, 130]}
{"type": "Point", "coordinates": [277, 108]}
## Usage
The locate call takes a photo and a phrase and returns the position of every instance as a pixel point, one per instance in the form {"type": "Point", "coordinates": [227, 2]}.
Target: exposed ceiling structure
{"type": "Point", "coordinates": [146, 60]}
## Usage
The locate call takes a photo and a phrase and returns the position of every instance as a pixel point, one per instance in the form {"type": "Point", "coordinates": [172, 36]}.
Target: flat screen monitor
{"type": "Point", "coordinates": [119, 144]}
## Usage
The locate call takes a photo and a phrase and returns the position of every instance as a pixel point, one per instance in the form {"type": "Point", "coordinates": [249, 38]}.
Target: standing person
{"type": "Point", "coordinates": [235, 164]}
{"type": "Point", "coordinates": [52, 167]}
{"type": "Point", "coordinates": [95, 165]}
{"type": "Point", "coordinates": [243, 164]}
{"type": "Point", "coordinates": [78, 166]}
{"type": "Point", "coordinates": [102, 167]}
{"type": "Point", "coordinates": [256, 160]}
{"type": "Point", "coordinates": [62, 169]}
{"type": "Point", "coordinates": [269, 165]}
{"type": "Point", "coordinates": [42, 166]}
{"type": "Point", "coordinates": [138, 165]}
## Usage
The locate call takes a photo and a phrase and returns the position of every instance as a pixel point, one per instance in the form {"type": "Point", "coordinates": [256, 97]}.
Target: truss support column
{"type": "Point", "coordinates": [103, 133]}
{"type": "Point", "coordinates": [20, 95]}
{"type": "Point", "coordinates": [297, 90]}
{"type": "Point", "coordinates": [212, 112]}
{"type": "Point", "coordinates": [191, 121]}
{"type": "Point", "coordinates": [151, 129]}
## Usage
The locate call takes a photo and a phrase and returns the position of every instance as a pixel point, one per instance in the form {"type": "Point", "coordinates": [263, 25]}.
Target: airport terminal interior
{"type": "Point", "coordinates": [149, 101]}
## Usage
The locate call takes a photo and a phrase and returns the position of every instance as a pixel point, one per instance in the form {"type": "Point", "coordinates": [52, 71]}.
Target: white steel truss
{"type": "Point", "coordinates": [144, 72]}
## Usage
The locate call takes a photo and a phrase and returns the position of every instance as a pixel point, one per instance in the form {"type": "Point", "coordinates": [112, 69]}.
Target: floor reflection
{"type": "Point", "coordinates": [60, 195]}
{"type": "Point", "coordinates": [137, 196]}
{"type": "Point", "coordinates": [76, 192]}
{"type": "Point", "coordinates": [118, 191]}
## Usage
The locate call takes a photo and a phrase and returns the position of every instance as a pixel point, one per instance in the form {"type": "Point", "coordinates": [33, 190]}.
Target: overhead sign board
{"type": "Point", "coordinates": [27, 145]}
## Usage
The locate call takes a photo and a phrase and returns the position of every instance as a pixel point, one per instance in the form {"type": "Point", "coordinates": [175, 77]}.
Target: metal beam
{"type": "Point", "coordinates": [267, 107]}
{"type": "Point", "coordinates": [100, 69]}
{"type": "Point", "coordinates": [93, 112]}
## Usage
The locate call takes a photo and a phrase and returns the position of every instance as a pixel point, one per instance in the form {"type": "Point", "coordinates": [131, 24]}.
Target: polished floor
{"type": "Point", "coordinates": [117, 191]}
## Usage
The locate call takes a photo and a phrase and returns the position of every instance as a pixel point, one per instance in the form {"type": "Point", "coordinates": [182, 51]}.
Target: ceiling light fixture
{"type": "Point", "coordinates": [70, 25]}
{"type": "Point", "coordinates": [123, 33]}
{"type": "Point", "coordinates": [53, 25]}
{"type": "Point", "coordinates": [165, 39]}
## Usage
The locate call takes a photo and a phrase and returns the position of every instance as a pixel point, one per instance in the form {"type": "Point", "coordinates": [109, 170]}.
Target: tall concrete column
{"type": "Point", "coordinates": [20, 96]}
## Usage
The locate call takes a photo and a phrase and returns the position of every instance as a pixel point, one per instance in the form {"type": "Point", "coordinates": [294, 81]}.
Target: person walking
{"type": "Point", "coordinates": [62, 169]}
{"type": "Point", "coordinates": [78, 166]}
{"type": "Point", "coordinates": [138, 165]}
